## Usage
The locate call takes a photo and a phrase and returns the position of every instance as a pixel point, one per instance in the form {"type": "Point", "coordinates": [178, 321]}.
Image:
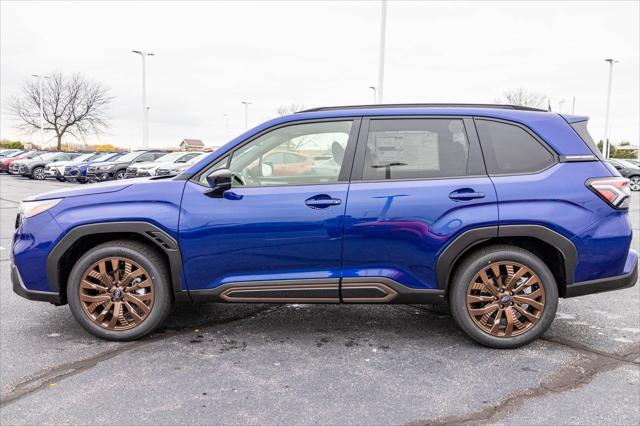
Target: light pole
{"type": "Point", "coordinates": [375, 99]}
{"type": "Point", "coordinates": [40, 81]}
{"type": "Point", "coordinates": [607, 149]}
{"type": "Point", "coordinates": [560, 105]}
{"type": "Point", "coordinates": [246, 113]}
{"type": "Point", "coordinates": [145, 124]}
{"type": "Point", "coordinates": [383, 35]}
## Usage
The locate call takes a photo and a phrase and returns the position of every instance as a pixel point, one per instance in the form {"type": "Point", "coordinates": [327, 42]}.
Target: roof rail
{"type": "Point", "coordinates": [499, 106]}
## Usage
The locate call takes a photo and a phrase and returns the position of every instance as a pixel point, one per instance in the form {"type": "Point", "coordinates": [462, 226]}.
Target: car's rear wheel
{"type": "Point", "coordinates": [120, 290]}
{"type": "Point", "coordinates": [503, 296]}
{"type": "Point", "coordinates": [634, 183]}
{"type": "Point", "coordinates": [38, 173]}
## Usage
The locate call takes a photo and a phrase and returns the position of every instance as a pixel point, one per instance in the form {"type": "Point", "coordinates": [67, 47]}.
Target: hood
{"type": "Point", "coordinates": [33, 160]}
{"type": "Point", "coordinates": [60, 163]}
{"type": "Point", "coordinates": [145, 164]}
{"type": "Point", "coordinates": [98, 188]}
{"type": "Point", "coordinates": [105, 163]}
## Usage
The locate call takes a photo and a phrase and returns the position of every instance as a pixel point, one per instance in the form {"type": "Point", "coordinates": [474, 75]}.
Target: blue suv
{"type": "Point", "coordinates": [496, 210]}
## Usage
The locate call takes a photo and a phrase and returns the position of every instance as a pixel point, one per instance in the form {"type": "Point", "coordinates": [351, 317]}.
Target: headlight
{"type": "Point", "coordinates": [102, 168]}
{"type": "Point", "coordinates": [32, 208]}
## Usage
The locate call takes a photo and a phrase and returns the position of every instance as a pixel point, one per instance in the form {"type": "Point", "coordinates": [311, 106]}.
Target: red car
{"type": "Point", "coordinates": [25, 155]}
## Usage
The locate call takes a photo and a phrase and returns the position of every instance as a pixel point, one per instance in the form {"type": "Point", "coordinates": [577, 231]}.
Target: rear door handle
{"type": "Point", "coordinates": [322, 201]}
{"type": "Point", "coordinates": [465, 194]}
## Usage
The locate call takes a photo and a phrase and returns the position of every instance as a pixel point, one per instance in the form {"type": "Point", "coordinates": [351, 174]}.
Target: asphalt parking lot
{"type": "Point", "coordinates": [327, 364]}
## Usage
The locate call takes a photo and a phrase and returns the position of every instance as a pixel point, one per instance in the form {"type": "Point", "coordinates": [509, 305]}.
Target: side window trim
{"type": "Point", "coordinates": [534, 135]}
{"type": "Point", "coordinates": [475, 159]}
{"type": "Point", "coordinates": [347, 162]}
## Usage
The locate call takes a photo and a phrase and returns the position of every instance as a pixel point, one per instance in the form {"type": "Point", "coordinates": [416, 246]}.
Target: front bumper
{"type": "Point", "coordinates": [20, 289]}
{"type": "Point", "coordinates": [618, 282]}
{"type": "Point", "coordinates": [99, 176]}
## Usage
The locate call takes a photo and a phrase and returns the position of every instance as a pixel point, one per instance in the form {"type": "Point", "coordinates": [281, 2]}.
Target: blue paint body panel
{"type": "Point", "coordinates": [255, 234]}
{"type": "Point", "coordinates": [395, 229]}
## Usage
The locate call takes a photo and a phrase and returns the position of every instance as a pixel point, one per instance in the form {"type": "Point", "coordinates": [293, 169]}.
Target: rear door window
{"type": "Point", "coordinates": [415, 149]}
{"type": "Point", "coordinates": [510, 149]}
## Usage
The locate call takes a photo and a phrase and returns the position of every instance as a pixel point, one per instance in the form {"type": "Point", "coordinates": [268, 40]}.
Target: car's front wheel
{"type": "Point", "coordinates": [120, 290]}
{"type": "Point", "coordinates": [120, 174]}
{"type": "Point", "coordinates": [503, 296]}
{"type": "Point", "coordinates": [38, 173]}
{"type": "Point", "coordinates": [634, 183]}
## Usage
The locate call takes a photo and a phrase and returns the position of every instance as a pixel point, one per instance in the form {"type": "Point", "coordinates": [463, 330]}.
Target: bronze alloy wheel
{"type": "Point", "coordinates": [116, 293]}
{"type": "Point", "coordinates": [505, 299]}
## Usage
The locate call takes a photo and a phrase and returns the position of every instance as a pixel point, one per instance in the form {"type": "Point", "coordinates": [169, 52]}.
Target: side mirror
{"type": "Point", "coordinates": [219, 181]}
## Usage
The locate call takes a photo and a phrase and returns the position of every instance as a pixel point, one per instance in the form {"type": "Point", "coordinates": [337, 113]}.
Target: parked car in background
{"type": "Point", "coordinates": [5, 162]}
{"type": "Point", "coordinates": [629, 170]}
{"type": "Point", "coordinates": [149, 168]}
{"type": "Point", "coordinates": [632, 161]}
{"type": "Point", "coordinates": [177, 168]}
{"type": "Point", "coordinates": [498, 211]}
{"type": "Point", "coordinates": [117, 169]}
{"type": "Point", "coordinates": [57, 169]}
{"type": "Point", "coordinates": [34, 168]}
{"type": "Point", "coordinates": [77, 171]}
{"type": "Point", "coordinates": [6, 152]}
{"type": "Point", "coordinates": [13, 162]}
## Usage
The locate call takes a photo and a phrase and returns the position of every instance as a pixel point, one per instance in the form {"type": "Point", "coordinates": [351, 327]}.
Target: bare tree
{"type": "Point", "coordinates": [522, 97]}
{"type": "Point", "coordinates": [289, 109]}
{"type": "Point", "coordinates": [73, 105]}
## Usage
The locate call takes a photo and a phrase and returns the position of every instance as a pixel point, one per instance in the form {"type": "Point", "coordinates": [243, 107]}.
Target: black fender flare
{"type": "Point", "coordinates": [468, 239]}
{"type": "Point", "coordinates": [152, 233]}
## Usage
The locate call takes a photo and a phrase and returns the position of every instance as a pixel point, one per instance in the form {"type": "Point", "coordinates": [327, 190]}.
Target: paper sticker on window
{"type": "Point", "coordinates": [405, 148]}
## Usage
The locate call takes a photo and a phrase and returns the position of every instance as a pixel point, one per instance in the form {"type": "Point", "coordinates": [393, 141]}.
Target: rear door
{"type": "Point", "coordinates": [417, 184]}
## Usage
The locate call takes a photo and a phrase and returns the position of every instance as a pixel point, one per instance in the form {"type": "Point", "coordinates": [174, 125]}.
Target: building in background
{"type": "Point", "coordinates": [191, 145]}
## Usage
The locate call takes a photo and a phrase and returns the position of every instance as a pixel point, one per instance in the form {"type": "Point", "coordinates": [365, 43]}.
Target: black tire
{"type": "Point", "coordinates": [120, 174]}
{"type": "Point", "coordinates": [476, 262]}
{"type": "Point", "coordinates": [143, 255]}
{"type": "Point", "coordinates": [38, 173]}
{"type": "Point", "coordinates": [61, 179]}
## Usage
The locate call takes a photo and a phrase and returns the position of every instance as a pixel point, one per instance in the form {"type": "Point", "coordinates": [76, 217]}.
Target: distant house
{"type": "Point", "coordinates": [191, 145]}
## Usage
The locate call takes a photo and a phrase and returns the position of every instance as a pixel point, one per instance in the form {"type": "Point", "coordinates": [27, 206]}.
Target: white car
{"type": "Point", "coordinates": [176, 169]}
{"type": "Point", "coordinates": [149, 168]}
{"type": "Point", "coordinates": [56, 170]}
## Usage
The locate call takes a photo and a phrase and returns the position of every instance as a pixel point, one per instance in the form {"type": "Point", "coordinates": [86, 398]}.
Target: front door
{"type": "Point", "coordinates": [276, 235]}
{"type": "Point", "coordinates": [417, 184]}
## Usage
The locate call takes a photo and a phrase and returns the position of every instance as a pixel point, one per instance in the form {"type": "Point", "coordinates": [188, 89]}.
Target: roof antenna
{"type": "Point", "coordinates": [549, 104]}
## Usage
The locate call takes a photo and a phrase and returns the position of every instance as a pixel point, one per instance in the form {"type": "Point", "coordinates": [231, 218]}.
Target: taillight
{"type": "Point", "coordinates": [614, 190]}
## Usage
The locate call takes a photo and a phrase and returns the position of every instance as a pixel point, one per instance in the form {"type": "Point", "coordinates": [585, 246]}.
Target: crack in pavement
{"type": "Point", "coordinates": [571, 377]}
{"type": "Point", "coordinates": [40, 380]}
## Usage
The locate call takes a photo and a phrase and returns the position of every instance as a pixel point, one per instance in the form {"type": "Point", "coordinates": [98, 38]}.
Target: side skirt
{"type": "Point", "coordinates": [350, 290]}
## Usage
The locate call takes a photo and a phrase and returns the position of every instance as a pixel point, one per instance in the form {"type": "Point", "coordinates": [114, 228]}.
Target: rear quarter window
{"type": "Point", "coordinates": [510, 149]}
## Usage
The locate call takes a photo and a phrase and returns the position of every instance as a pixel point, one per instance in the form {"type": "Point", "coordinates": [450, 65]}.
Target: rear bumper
{"type": "Point", "coordinates": [618, 282]}
{"type": "Point", "coordinates": [21, 290]}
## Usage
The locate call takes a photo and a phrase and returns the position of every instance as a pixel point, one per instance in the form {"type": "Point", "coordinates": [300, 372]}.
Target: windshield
{"type": "Point", "coordinates": [171, 157]}
{"type": "Point", "coordinates": [627, 164]}
{"type": "Point", "coordinates": [130, 156]}
{"type": "Point", "coordinates": [83, 157]}
{"type": "Point", "coordinates": [104, 157]}
{"type": "Point", "coordinates": [198, 158]}
{"type": "Point", "coordinates": [15, 154]}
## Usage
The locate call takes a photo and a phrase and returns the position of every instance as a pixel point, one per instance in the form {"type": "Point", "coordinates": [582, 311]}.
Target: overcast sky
{"type": "Point", "coordinates": [211, 56]}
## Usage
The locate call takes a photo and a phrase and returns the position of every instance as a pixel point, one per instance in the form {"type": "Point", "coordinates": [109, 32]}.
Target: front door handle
{"type": "Point", "coordinates": [465, 194]}
{"type": "Point", "coordinates": [322, 201]}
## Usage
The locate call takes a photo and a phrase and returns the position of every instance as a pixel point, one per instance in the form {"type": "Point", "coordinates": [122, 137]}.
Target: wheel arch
{"type": "Point", "coordinates": [557, 251]}
{"type": "Point", "coordinates": [84, 237]}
